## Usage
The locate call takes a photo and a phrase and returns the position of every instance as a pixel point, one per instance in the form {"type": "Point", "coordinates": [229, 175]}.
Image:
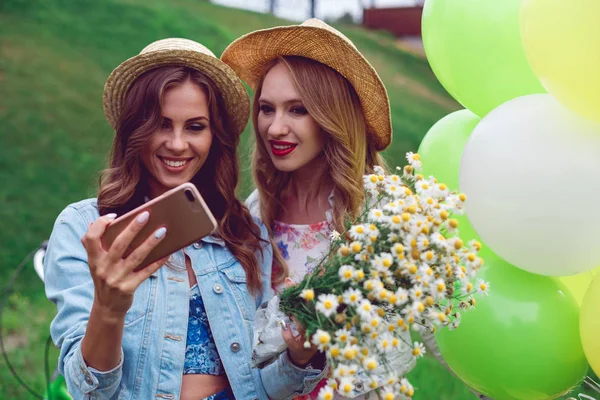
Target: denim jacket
{"type": "Point", "coordinates": [154, 337]}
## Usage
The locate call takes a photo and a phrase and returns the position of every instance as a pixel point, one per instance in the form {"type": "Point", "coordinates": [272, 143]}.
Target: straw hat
{"type": "Point", "coordinates": [179, 52]}
{"type": "Point", "coordinates": [316, 40]}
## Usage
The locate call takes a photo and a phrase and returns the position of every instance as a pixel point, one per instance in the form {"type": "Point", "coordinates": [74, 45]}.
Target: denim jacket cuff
{"type": "Point", "coordinates": [311, 377]}
{"type": "Point", "coordinates": [89, 379]}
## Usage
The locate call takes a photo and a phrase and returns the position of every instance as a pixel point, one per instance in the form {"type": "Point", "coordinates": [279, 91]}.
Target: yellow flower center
{"type": "Point", "coordinates": [356, 247]}
{"type": "Point", "coordinates": [360, 229]}
{"type": "Point", "coordinates": [328, 304]}
{"type": "Point", "coordinates": [396, 219]}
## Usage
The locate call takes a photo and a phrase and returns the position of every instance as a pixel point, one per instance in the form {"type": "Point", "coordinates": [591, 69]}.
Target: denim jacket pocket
{"type": "Point", "coordinates": [143, 301]}
{"type": "Point", "coordinates": [236, 282]}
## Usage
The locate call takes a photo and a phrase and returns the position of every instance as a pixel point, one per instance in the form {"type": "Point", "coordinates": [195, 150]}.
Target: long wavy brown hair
{"type": "Point", "coordinates": [332, 101]}
{"type": "Point", "coordinates": [124, 184]}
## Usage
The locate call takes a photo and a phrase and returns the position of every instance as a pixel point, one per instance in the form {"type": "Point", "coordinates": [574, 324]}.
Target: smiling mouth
{"type": "Point", "coordinates": [280, 149]}
{"type": "Point", "coordinates": [174, 164]}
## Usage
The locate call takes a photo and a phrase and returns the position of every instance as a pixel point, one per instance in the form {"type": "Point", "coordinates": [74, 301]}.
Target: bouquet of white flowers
{"type": "Point", "coordinates": [400, 265]}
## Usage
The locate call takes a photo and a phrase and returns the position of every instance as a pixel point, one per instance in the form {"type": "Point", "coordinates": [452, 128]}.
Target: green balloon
{"type": "Point", "coordinates": [474, 48]}
{"type": "Point", "coordinates": [521, 342]}
{"type": "Point", "coordinates": [442, 147]}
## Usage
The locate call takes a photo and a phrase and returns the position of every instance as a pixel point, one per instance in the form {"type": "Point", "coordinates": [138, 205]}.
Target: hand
{"type": "Point", "coordinates": [114, 278]}
{"type": "Point", "coordinates": [298, 354]}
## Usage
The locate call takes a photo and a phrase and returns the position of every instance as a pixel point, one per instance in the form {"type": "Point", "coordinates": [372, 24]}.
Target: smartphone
{"type": "Point", "coordinates": [181, 210]}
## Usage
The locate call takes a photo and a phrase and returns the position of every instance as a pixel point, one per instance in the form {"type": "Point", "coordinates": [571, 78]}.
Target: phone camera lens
{"type": "Point", "coordinates": [189, 195]}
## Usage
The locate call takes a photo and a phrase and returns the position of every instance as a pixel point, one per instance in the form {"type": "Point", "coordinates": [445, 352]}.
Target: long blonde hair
{"type": "Point", "coordinates": [123, 185]}
{"type": "Point", "coordinates": [332, 101]}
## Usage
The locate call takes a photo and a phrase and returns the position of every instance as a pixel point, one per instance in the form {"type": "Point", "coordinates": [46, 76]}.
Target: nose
{"type": "Point", "coordinates": [278, 127]}
{"type": "Point", "coordinates": [177, 142]}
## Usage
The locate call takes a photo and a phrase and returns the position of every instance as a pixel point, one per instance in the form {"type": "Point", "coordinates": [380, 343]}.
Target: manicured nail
{"type": "Point", "coordinates": [143, 217]}
{"type": "Point", "coordinates": [110, 216]}
{"type": "Point", "coordinates": [160, 232]}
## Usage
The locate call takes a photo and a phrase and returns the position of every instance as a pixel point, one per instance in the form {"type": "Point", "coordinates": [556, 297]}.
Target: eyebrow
{"type": "Point", "coordinates": [191, 119]}
{"type": "Point", "coordinates": [291, 101]}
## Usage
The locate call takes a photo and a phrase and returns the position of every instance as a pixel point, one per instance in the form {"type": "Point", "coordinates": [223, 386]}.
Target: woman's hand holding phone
{"type": "Point", "coordinates": [115, 280]}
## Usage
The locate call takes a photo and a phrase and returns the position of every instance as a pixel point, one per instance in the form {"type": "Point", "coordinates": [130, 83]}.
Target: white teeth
{"type": "Point", "coordinates": [174, 164]}
{"type": "Point", "coordinates": [282, 147]}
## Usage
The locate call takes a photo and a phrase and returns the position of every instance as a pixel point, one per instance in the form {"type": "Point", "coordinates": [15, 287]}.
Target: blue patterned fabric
{"type": "Point", "coordinates": [226, 394]}
{"type": "Point", "coordinates": [201, 356]}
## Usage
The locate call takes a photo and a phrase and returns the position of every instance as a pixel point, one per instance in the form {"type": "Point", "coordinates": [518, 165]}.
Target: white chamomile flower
{"type": "Point", "coordinates": [437, 317]}
{"type": "Point", "coordinates": [406, 387]}
{"type": "Point", "coordinates": [483, 286]}
{"type": "Point", "coordinates": [391, 207]}
{"type": "Point", "coordinates": [394, 190]}
{"type": "Point", "coordinates": [417, 308]}
{"type": "Point", "coordinates": [358, 232]}
{"type": "Point", "coordinates": [372, 284]}
{"type": "Point", "coordinates": [342, 335]}
{"type": "Point", "coordinates": [376, 215]}
{"type": "Point", "coordinates": [439, 240]}
{"type": "Point", "coordinates": [438, 289]}
{"type": "Point", "coordinates": [416, 293]}
{"type": "Point", "coordinates": [398, 251]}
{"type": "Point", "coordinates": [385, 343]}
{"type": "Point", "coordinates": [418, 350]}
{"type": "Point", "coordinates": [370, 363]}
{"type": "Point", "coordinates": [429, 256]}
{"type": "Point", "coordinates": [395, 179]}
{"type": "Point", "coordinates": [423, 242]}
{"type": "Point", "coordinates": [365, 309]}
{"type": "Point", "coordinates": [308, 294]}
{"type": "Point", "coordinates": [372, 230]}
{"type": "Point", "coordinates": [334, 235]}
{"type": "Point", "coordinates": [395, 222]}
{"type": "Point", "coordinates": [423, 187]}
{"type": "Point", "coordinates": [341, 371]}
{"type": "Point", "coordinates": [401, 296]}
{"type": "Point", "coordinates": [326, 393]}
{"type": "Point", "coordinates": [352, 296]}
{"type": "Point", "coordinates": [387, 393]}
{"type": "Point", "coordinates": [346, 273]}
{"type": "Point", "coordinates": [427, 273]}
{"type": "Point", "coordinates": [321, 339]}
{"type": "Point", "coordinates": [370, 181]}
{"type": "Point", "coordinates": [346, 386]}
{"type": "Point", "coordinates": [350, 352]}
{"type": "Point", "coordinates": [327, 304]}
{"type": "Point", "coordinates": [414, 160]}
{"type": "Point", "coordinates": [378, 170]}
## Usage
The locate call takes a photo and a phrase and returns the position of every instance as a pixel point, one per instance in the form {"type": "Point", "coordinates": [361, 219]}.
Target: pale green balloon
{"type": "Point", "coordinates": [522, 341]}
{"type": "Point", "coordinates": [442, 147]}
{"type": "Point", "coordinates": [474, 48]}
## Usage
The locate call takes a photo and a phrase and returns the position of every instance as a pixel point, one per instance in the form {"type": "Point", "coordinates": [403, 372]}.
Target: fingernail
{"type": "Point", "coordinates": [143, 217]}
{"type": "Point", "coordinates": [110, 216]}
{"type": "Point", "coordinates": [160, 232]}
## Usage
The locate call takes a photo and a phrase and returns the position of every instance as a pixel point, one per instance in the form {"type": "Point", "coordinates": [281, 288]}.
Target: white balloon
{"type": "Point", "coordinates": [531, 173]}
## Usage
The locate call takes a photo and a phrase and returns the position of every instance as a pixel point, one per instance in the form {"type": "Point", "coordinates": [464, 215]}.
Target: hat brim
{"type": "Point", "coordinates": [249, 55]}
{"type": "Point", "coordinates": [233, 92]}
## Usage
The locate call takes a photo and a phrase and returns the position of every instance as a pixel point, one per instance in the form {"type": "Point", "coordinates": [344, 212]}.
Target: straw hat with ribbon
{"type": "Point", "coordinates": [178, 52]}
{"type": "Point", "coordinates": [314, 39]}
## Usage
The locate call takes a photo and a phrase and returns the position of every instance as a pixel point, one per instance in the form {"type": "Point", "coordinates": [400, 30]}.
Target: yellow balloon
{"type": "Point", "coordinates": [589, 324]}
{"type": "Point", "coordinates": [562, 43]}
{"type": "Point", "coordinates": [578, 284]}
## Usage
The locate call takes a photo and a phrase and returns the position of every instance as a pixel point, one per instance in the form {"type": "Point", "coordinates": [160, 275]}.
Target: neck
{"type": "Point", "coordinates": [311, 182]}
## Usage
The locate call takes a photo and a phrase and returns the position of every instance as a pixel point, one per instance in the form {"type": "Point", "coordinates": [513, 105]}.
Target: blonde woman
{"type": "Point", "coordinates": [321, 115]}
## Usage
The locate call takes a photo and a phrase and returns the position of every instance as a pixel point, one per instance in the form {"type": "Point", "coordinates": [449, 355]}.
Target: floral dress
{"type": "Point", "coordinates": [302, 246]}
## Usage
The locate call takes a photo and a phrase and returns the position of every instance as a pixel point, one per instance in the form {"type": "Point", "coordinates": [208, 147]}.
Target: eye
{"type": "Point", "coordinates": [299, 110]}
{"type": "Point", "coordinates": [197, 127]}
{"type": "Point", "coordinates": [266, 109]}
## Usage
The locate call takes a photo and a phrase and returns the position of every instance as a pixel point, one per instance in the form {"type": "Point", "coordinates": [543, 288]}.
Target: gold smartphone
{"type": "Point", "coordinates": [181, 210]}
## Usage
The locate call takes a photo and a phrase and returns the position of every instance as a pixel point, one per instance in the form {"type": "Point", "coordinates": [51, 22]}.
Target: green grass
{"type": "Point", "coordinates": [54, 58]}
